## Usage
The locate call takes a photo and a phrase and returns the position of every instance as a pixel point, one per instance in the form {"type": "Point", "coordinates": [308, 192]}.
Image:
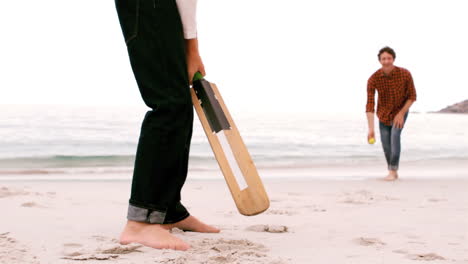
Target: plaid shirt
{"type": "Point", "coordinates": [393, 89]}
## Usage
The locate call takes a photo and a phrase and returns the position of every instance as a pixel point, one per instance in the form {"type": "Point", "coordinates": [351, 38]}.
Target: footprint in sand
{"type": "Point", "coordinates": [400, 251]}
{"type": "Point", "coordinates": [216, 251]}
{"type": "Point", "coordinates": [110, 250]}
{"type": "Point", "coordinates": [6, 192]}
{"type": "Point", "coordinates": [367, 241]}
{"type": "Point", "coordinates": [280, 212]}
{"type": "Point", "coordinates": [102, 239]}
{"type": "Point", "coordinates": [268, 228]}
{"type": "Point", "coordinates": [14, 252]}
{"type": "Point", "coordinates": [120, 249]}
{"type": "Point", "coordinates": [315, 208]}
{"type": "Point", "coordinates": [359, 197]}
{"type": "Point", "coordinates": [72, 245]}
{"type": "Point", "coordinates": [365, 197]}
{"type": "Point", "coordinates": [32, 204]}
{"type": "Point", "coordinates": [426, 257]}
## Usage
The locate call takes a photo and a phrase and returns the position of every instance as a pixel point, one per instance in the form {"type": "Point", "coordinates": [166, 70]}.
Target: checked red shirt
{"type": "Point", "coordinates": [393, 92]}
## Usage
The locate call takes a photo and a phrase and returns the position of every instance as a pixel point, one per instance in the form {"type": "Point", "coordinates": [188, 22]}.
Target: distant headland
{"type": "Point", "coordinates": [459, 108]}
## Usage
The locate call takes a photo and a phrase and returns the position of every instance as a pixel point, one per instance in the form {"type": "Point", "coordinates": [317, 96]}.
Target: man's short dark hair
{"type": "Point", "coordinates": [388, 50]}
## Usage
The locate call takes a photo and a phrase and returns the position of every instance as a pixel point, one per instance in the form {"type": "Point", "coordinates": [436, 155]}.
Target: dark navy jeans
{"type": "Point", "coordinates": [153, 34]}
{"type": "Point", "coordinates": [391, 143]}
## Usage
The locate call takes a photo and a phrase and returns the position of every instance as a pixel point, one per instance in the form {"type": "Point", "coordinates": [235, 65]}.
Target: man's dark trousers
{"type": "Point", "coordinates": [155, 42]}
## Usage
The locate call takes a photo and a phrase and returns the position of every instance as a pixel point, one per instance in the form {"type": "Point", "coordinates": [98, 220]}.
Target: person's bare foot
{"type": "Point", "coordinates": [151, 235]}
{"type": "Point", "coordinates": [192, 224]}
{"type": "Point", "coordinates": [392, 176]}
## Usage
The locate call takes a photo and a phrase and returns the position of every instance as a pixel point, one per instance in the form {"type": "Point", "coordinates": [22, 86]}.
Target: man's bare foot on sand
{"type": "Point", "coordinates": [392, 176]}
{"type": "Point", "coordinates": [192, 224]}
{"type": "Point", "coordinates": [151, 235]}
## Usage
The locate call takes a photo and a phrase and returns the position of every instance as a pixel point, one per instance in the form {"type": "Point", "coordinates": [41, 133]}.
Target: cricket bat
{"type": "Point", "coordinates": [232, 155]}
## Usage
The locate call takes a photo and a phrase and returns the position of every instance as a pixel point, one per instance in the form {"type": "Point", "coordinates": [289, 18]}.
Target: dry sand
{"type": "Point", "coordinates": [310, 221]}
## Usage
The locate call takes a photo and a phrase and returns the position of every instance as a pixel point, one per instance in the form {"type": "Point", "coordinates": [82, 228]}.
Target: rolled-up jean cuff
{"type": "Point", "coordinates": [145, 215]}
{"type": "Point", "coordinates": [393, 167]}
{"type": "Point", "coordinates": [177, 219]}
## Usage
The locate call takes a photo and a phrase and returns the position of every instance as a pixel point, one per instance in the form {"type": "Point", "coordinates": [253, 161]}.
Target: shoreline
{"type": "Point", "coordinates": [417, 170]}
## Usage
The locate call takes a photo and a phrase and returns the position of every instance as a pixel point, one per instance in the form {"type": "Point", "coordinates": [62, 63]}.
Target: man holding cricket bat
{"type": "Point", "coordinates": [162, 44]}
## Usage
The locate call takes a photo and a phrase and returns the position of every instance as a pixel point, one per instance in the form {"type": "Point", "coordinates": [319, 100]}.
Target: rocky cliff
{"type": "Point", "coordinates": [461, 107]}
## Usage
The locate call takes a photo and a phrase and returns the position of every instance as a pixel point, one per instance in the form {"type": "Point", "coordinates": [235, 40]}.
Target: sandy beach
{"type": "Point", "coordinates": [363, 221]}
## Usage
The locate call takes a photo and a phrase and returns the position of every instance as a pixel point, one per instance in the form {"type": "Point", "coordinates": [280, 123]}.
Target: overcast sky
{"type": "Point", "coordinates": [268, 55]}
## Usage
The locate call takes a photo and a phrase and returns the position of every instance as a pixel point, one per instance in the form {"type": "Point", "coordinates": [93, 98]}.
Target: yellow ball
{"type": "Point", "coordinates": [371, 140]}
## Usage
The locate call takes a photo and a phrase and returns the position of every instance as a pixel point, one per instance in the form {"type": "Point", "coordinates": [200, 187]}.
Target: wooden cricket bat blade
{"type": "Point", "coordinates": [232, 155]}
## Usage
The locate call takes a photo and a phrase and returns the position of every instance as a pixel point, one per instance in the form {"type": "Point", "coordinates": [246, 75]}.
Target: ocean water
{"type": "Point", "coordinates": [70, 140]}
